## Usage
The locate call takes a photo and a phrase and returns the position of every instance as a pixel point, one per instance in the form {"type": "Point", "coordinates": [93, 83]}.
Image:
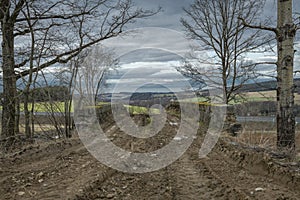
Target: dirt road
{"type": "Point", "coordinates": [66, 170]}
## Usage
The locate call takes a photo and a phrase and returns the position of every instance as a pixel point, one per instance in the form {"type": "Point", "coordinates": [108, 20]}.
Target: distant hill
{"type": "Point", "coordinates": [266, 86]}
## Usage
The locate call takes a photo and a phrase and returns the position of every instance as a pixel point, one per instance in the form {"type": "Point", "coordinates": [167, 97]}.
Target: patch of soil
{"type": "Point", "coordinates": [64, 169]}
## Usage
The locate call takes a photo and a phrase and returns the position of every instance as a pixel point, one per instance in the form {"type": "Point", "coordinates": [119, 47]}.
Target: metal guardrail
{"type": "Point", "coordinates": [260, 119]}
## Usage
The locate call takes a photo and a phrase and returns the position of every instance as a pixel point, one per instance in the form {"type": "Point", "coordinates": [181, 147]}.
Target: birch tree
{"type": "Point", "coordinates": [285, 35]}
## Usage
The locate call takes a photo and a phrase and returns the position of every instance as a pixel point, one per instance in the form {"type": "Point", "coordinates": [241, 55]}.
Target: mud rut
{"type": "Point", "coordinates": [65, 170]}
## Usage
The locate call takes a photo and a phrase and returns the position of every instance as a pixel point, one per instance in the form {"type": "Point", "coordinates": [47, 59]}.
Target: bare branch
{"type": "Point", "coordinates": [216, 26]}
{"type": "Point", "coordinates": [63, 17]}
{"type": "Point", "coordinates": [17, 10]}
{"type": "Point", "coordinates": [259, 63]}
{"type": "Point", "coordinates": [112, 25]}
{"type": "Point", "coordinates": [260, 27]}
{"type": "Point", "coordinates": [60, 58]}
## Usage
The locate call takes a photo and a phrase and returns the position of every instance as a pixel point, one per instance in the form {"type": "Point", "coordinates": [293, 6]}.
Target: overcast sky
{"type": "Point", "coordinates": [149, 66]}
{"type": "Point", "coordinates": [172, 12]}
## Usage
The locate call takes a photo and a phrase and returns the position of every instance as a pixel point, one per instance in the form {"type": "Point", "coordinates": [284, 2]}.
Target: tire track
{"type": "Point", "coordinates": [245, 182]}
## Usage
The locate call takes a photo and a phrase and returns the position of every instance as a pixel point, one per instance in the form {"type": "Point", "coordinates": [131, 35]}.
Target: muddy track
{"type": "Point", "coordinates": [249, 184]}
{"type": "Point", "coordinates": [192, 180]}
{"type": "Point", "coordinates": [66, 170]}
{"type": "Point", "coordinates": [219, 176]}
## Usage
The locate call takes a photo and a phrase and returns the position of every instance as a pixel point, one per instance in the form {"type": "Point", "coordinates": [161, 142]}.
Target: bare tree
{"type": "Point", "coordinates": [285, 35]}
{"type": "Point", "coordinates": [215, 25]}
{"type": "Point", "coordinates": [93, 69]}
{"type": "Point", "coordinates": [62, 29]}
{"type": "Point", "coordinates": [92, 65]}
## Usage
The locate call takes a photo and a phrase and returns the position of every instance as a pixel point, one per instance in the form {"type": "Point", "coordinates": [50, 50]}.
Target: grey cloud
{"type": "Point", "coordinates": [170, 18]}
{"type": "Point", "coordinates": [172, 12]}
{"type": "Point", "coordinates": [148, 55]}
{"type": "Point", "coordinates": [170, 15]}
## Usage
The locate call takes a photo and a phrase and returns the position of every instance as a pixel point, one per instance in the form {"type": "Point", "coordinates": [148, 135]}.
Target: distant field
{"type": "Point", "coordinates": [141, 110]}
{"type": "Point", "coordinates": [195, 100]}
{"type": "Point", "coordinates": [249, 96]}
{"type": "Point", "coordinates": [266, 96]}
{"type": "Point", "coordinates": [246, 97]}
{"type": "Point", "coordinates": [260, 96]}
{"type": "Point", "coordinates": [132, 109]}
{"type": "Point", "coordinates": [57, 106]}
{"type": "Point", "coordinates": [44, 107]}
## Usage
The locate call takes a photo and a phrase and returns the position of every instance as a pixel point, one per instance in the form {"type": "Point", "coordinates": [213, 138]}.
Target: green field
{"type": "Point", "coordinates": [141, 110]}
{"type": "Point", "coordinates": [45, 107]}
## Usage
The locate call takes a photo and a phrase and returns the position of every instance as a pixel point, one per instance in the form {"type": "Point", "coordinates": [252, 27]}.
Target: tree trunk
{"type": "Point", "coordinates": [67, 119]}
{"type": "Point", "coordinates": [32, 119]}
{"type": "Point", "coordinates": [285, 86]}
{"type": "Point", "coordinates": [27, 114]}
{"type": "Point", "coordinates": [18, 114]}
{"type": "Point", "coordinates": [9, 79]}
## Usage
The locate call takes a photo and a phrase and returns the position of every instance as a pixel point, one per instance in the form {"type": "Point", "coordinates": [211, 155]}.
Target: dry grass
{"type": "Point", "coordinates": [43, 125]}
{"type": "Point", "coordinates": [256, 138]}
{"type": "Point", "coordinates": [261, 134]}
